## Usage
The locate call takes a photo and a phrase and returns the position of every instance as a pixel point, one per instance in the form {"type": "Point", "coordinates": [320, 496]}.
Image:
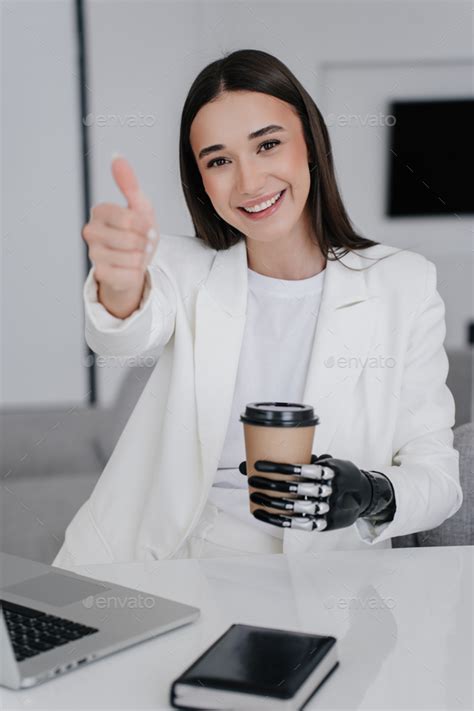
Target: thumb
{"type": "Point", "coordinates": [127, 181]}
{"type": "Point", "coordinates": [315, 458]}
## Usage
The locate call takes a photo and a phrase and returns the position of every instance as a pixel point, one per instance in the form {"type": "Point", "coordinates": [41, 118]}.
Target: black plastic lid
{"type": "Point", "coordinates": [279, 414]}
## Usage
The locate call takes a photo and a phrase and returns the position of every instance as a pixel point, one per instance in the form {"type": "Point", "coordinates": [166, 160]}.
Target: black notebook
{"type": "Point", "coordinates": [252, 667]}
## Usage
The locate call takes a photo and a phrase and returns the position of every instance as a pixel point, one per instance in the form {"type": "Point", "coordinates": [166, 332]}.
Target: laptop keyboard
{"type": "Point", "coordinates": [32, 632]}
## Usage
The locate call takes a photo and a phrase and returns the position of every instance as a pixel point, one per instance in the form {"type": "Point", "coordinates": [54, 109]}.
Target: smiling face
{"type": "Point", "coordinates": [239, 169]}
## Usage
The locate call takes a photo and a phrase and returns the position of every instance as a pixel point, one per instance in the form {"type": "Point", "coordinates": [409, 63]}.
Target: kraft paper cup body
{"type": "Point", "coordinates": [290, 445]}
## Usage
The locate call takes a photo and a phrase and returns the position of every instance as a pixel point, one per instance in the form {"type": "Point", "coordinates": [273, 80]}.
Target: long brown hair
{"type": "Point", "coordinates": [255, 70]}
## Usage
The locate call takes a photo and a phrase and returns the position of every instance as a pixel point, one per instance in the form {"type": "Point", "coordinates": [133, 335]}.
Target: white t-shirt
{"type": "Point", "coordinates": [273, 365]}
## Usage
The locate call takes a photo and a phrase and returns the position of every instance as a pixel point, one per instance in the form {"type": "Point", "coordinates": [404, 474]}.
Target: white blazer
{"type": "Point", "coordinates": [376, 379]}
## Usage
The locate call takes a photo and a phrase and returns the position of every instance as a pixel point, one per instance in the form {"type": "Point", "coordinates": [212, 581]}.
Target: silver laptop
{"type": "Point", "coordinates": [54, 621]}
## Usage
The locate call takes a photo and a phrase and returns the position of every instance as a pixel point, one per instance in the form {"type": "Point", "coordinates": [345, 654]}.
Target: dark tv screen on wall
{"type": "Point", "coordinates": [430, 158]}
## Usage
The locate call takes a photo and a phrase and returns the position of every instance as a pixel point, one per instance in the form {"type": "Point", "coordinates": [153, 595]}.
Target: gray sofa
{"type": "Point", "coordinates": [459, 529]}
{"type": "Point", "coordinates": [52, 459]}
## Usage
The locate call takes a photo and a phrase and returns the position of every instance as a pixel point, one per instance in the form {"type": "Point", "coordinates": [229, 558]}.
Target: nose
{"type": "Point", "coordinates": [250, 180]}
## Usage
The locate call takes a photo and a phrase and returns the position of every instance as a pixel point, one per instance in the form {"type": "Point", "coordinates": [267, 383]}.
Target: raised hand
{"type": "Point", "coordinates": [119, 246]}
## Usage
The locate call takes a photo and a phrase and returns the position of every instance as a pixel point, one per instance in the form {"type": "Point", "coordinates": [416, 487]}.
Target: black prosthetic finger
{"type": "Point", "coordinates": [307, 487]}
{"type": "Point", "coordinates": [303, 506]}
{"type": "Point", "coordinates": [263, 465]}
{"type": "Point", "coordinates": [261, 482]}
{"type": "Point", "coordinates": [264, 500]}
{"type": "Point", "coordinates": [275, 519]}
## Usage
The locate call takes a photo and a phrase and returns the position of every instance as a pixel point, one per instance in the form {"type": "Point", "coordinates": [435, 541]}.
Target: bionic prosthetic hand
{"type": "Point", "coordinates": [333, 493]}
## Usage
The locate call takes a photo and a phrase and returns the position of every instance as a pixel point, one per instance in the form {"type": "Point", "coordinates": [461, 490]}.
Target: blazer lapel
{"type": "Point", "coordinates": [343, 338]}
{"type": "Point", "coordinates": [219, 327]}
{"type": "Point", "coordinates": [344, 335]}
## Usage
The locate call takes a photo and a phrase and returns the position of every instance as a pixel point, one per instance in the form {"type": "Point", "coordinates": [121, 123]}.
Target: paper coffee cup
{"type": "Point", "coordinates": [278, 432]}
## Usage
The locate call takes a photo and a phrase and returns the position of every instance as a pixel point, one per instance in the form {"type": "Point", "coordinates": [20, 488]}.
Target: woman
{"type": "Point", "coordinates": [270, 300]}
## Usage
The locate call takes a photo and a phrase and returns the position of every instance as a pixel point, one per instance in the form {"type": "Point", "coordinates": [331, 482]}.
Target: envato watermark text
{"type": "Point", "coordinates": [134, 602]}
{"type": "Point", "coordinates": [107, 120]}
{"type": "Point", "coordinates": [357, 603]}
{"type": "Point", "coordinates": [353, 362]}
{"type": "Point", "coordinates": [361, 120]}
{"type": "Point", "coordinates": [114, 361]}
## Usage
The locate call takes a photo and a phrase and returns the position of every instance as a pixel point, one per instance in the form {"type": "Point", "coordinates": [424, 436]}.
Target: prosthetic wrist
{"type": "Point", "coordinates": [382, 506]}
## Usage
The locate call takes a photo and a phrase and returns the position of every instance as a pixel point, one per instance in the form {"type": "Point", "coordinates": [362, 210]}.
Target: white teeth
{"type": "Point", "coordinates": [263, 205]}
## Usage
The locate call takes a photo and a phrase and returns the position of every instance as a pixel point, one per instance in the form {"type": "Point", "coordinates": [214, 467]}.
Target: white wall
{"type": "Point", "coordinates": [42, 339]}
{"type": "Point", "coordinates": [355, 94]}
{"type": "Point", "coordinates": [143, 57]}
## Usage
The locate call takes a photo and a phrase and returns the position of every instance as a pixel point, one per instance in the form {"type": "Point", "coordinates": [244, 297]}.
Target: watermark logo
{"type": "Point", "coordinates": [108, 120]}
{"type": "Point", "coordinates": [358, 603]}
{"type": "Point", "coordinates": [114, 361]}
{"type": "Point", "coordinates": [353, 362]}
{"type": "Point", "coordinates": [379, 119]}
{"type": "Point", "coordinates": [131, 602]}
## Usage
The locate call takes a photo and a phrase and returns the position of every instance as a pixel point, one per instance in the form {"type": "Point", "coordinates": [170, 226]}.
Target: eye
{"type": "Point", "coordinates": [267, 143]}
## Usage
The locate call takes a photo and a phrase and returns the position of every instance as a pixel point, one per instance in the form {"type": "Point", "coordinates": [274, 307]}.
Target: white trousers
{"type": "Point", "coordinates": [218, 534]}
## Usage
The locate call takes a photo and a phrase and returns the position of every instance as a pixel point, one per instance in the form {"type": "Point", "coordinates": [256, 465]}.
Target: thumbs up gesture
{"type": "Point", "coordinates": [122, 242]}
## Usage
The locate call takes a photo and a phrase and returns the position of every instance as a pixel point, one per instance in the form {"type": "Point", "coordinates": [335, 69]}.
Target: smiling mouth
{"type": "Point", "coordinates": [265, 210]}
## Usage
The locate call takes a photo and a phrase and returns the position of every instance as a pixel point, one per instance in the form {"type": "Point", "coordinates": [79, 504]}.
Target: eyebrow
{"type": "Point", "coordinates": [255, 134]}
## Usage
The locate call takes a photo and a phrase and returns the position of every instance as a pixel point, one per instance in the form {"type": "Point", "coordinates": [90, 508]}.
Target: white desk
{"type": "Point", "coordinates": [403, 619]}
